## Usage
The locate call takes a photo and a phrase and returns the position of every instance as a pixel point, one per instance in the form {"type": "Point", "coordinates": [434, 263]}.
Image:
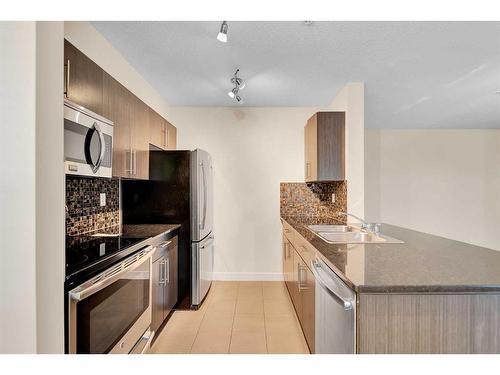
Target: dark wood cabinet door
{"type": "Point", "coordinates": [117, 103]}
{"type": "Point", "coordinates": [140, 139]}
{"type": "Point", "coordinates": [83, 79]}
{"type": "Point", "coordinates": [324, 151]}
{"type": "Point", "coordinates": [331, 146]}
{"type": "Point", "coordinates": [171, 291]}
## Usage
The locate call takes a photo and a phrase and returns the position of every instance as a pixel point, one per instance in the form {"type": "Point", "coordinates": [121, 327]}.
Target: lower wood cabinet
{"type": "Point", "coordinates": [164, 288]}
{"type": "Point", "coordinates": [300, 283]}
{"type": "Point", "coordinates": [429, 323]}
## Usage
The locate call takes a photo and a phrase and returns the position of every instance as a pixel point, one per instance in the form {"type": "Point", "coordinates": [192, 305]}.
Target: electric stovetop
{"type": "Point", "coordinates": [86, 255]}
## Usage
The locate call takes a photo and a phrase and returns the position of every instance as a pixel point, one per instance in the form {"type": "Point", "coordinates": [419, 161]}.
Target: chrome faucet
{"type": "Point", "coordinates": [369, 227]}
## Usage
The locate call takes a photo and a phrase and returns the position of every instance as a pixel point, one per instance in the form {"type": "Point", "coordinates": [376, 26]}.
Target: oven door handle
{"type": "Point", "coordinates": [111, 275]}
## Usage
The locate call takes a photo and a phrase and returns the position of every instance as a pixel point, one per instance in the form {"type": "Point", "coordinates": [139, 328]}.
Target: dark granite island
{"type": "Point", "coordinates": [426, 295]}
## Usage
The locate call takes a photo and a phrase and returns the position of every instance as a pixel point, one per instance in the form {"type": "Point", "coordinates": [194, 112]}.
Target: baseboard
{"type": "Point", "coordinates": [248, 276]}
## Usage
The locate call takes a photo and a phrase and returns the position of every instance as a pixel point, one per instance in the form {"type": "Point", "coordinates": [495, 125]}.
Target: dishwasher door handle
{"type": "Point", "coordinates": [336, 294]}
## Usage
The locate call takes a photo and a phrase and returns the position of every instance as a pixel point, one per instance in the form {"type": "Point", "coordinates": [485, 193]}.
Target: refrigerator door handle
{"type": "Point", "coordinates": [204, 195]}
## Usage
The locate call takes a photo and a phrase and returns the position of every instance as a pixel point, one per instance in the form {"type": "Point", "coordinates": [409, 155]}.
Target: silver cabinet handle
{"type": "Point", "coordinates": [66, 89]}
{"type": "Point", "coordinates": [166, 136]}
{"type": "Point", "coordinates": [167, 270]}
{"type": "Point", "coordinates": [162, 273]}
{"type": "Point", "coordinates": [301, 283]}
{"type": "Point", "coordinates": [129, 162]}
{"type": "Point", "coordinates": [307, 169]}
{"type": "Point", "coordinates": [134, 153]}
{"type": "Point", "coordinates": [335, 294]}
{"type": "Point", "coordinates": [164, 244]}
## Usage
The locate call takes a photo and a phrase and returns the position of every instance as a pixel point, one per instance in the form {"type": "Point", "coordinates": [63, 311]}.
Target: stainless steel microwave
{"type": "Point", "coordinates": [88, 142]}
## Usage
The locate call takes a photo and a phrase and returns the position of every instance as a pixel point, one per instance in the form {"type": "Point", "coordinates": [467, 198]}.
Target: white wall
{"type": "Point", "coordinates": [253, 148]}
{"type": "Point", "coordinates": [17, 187]}
{"type": "Point", "coordinates": [351, 99]}
{"type": "Point", "coordinates": [444, 182]}
{"type": "Point", "coordinates": [50, 196]}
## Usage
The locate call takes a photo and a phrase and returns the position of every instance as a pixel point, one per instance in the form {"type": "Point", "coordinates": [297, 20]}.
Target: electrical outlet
{"type": "Point", "coordinates": [333, 197]}
{"type": "Point", "coordinates": [102, 198]}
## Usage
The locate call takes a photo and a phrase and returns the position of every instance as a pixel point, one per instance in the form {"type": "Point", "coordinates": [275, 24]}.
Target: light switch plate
{"type": "Point", "coordinates": [102, 198]}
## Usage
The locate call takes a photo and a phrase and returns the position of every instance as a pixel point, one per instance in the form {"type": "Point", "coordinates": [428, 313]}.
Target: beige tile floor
{"type": "Point", "coordinates": [237, 317]}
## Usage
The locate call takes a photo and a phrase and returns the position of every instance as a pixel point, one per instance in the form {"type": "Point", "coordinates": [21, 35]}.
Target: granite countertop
{"type": "Point", "coordinates": [147, 230]}
{"type": "Point", "coordinates": [424, 263]}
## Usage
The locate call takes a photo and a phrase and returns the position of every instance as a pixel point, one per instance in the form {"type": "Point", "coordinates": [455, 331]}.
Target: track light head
{"type": "Point", "coordinates": [238, 85]}
{"type": "Point", "coordinates": [222, 36]}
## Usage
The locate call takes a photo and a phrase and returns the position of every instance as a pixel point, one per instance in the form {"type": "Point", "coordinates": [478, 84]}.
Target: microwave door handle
{"type": "Point", "coordinates": [103, 147]}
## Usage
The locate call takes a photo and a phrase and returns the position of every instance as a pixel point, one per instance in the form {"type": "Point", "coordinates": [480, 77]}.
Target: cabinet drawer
{"type": "Point", "coordinates": [288, 232]}
{"type": "Point", "coordinates": [305, 250]}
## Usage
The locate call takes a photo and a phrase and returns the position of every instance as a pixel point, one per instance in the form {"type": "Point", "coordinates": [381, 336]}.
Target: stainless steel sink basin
{"type": "Point", "coordinates": [330, 228]}
{"type": "Point", "coordinates": [346, 234]}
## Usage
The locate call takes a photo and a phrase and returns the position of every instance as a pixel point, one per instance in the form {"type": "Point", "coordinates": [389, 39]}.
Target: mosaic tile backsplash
{"type": "Point", "coordinates": [84, 213]}
{"type": "Point", "coordinates": [313, 200]}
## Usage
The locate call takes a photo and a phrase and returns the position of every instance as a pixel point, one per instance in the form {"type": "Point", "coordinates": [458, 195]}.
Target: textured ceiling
{"type": "Point", "coordinates": [417, 74]}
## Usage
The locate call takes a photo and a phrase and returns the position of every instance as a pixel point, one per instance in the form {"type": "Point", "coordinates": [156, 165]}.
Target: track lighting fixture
{"type": "Point", "coordinates": [238, 85]}
{"type": "Point", "coordinates": [222, 36]}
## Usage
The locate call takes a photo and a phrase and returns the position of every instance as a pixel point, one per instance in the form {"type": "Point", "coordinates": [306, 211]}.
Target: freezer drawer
{"type": "Point", "coordinates": [335, 330]}
{"type": "Point", "coordinates": [202, 269]}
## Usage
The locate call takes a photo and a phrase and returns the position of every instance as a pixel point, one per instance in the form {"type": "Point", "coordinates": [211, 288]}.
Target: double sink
{"type": "Point", "coordinates": [347, 234]}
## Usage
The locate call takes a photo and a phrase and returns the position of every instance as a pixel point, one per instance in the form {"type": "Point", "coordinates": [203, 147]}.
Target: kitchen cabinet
{"type": "Point", "coordinates": [300, 283]}
{"type": "Point", "coordinates": [295, 284]}
{"type": "Point", "coordinates": [307, 284]}
{"type": "Point", "coordinates": [162, 134]}
{"type": "Point", "coordinates": [130, 130]}
{"type": "Point", "coordinates": [117, 106]}
{"type": "Point", "coordinates": [324, 147]}
{"type": "Point", "coordinates": [136, 125]}
{"type": "Point", "coordinates": [165, 275]}
{"type": "Point", "coordinates": [83, 79]}
{"type": "Point", "coordinates": [139, 139]}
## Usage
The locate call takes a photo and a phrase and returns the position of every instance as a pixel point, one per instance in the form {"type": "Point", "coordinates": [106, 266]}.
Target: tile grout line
{"type": "Point", "coordinates": [199, 326]}
{"type": "Point", "coordinates": [234, 316]}
{"type": "Point", "coordinates": [265, 326]}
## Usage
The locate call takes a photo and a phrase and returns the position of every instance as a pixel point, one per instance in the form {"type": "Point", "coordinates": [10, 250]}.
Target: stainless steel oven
{"type": "Point", "coordinates": [111, 313]}
{"type": "Point", "coordinates": [88, 142]}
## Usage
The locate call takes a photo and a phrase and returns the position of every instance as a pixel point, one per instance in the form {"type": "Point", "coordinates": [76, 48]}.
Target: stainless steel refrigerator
{"type": "Point", "coordinates": [179, 191]}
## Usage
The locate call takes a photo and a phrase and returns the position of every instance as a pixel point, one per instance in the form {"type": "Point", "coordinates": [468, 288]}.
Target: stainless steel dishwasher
{"type": "Point", "coordinates": [335, 316]}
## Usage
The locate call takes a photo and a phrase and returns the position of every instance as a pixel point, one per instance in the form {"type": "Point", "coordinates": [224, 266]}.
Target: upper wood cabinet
{"type": "Point", "coordinates": [136, 125]}
{"type": "Point", "coordinates": [117, 106]}
{"type": "Point", "coordinates": [324, 139]}
{"type": "Point", "coordinates": [162, 134]}
{"type": "Point", "coordinates": [82, 79]}
{"type": "Point", "coordinates": [139, 142]}
{"type": "Point", "coordinates": [130, 117]}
